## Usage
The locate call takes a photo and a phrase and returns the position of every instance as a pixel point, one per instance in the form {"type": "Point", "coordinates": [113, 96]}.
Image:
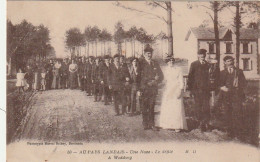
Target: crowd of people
{"type": "Point", "coordinates": [131, 84]}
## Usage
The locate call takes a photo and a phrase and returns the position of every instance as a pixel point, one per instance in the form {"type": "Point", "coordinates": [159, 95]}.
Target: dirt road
{"type": "Point", "coordinates": [71, 115]}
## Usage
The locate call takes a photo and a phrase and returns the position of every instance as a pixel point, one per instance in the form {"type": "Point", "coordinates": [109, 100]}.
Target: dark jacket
{"type": "Point", "coordinates": [81, 69]}
{"type": "Point", "coordinates": [135, 77]}
{"type": "Point", "coordinates": [88, 71]}
{"type": "Point", "coordinates": [235, 82]}
{"type": "Point", "coordinates": [104, 73]}
{"type": "Point", "coordinates": [64, 70]}
{"type": "Point", "coordinates": [117, 77]}
{"type": "Point", "coordinates": [198, 78]}
{"type": "Point", "coordinates": [95, 75]}
{"type": "Point", "coordinates": [148, 82]}
{"type": "Point", "coordinates": [29, 75]}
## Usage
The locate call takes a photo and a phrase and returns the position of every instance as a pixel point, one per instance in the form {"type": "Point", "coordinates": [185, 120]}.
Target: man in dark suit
{"type": "Point", "coordinates": [29, 76]}
{"type": "Point", "coordinates": [49, 74]}
{"type": "Point", "coordinates": [65, 74]}
{"type": "Point", "coordinates": [87, 73]}
{"type": "Point", "coordinates": [117, 79]}
{"type": "Point", "coordinates": [127, 87]}
{"type": "Point", "coordinates": [82, 66]}
{"type": "Point", "coordinates": [104, 74]}
{"type": "Point", "coordinates": [151, 76]}
{"type": "Point", "coordinates": [232, 84]}
{"type": "Point", "coordinates": [198, 84]}
{"type": "Point", "coordinates": [95, 76]}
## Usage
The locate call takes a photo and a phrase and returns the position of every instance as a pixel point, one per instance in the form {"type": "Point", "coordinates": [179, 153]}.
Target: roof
{"type": "Point", "coordinates": [249, 33]}
{"type": "Point", "coordinates": [208, 33]}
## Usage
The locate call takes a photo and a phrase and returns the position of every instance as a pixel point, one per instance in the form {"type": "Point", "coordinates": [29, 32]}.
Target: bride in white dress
{"type": "Point", "coordinates": [172, 115]}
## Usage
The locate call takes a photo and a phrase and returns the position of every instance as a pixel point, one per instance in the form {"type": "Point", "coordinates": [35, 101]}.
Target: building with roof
{"type": "Point", "coordinates": [199, 37]}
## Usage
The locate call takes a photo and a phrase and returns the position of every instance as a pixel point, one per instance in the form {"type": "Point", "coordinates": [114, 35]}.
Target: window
{"type": "Point", "coordinates": [246, 66]}
{"type": "Point", "coordinates": [211, 48]}
{"type": "Point", "coordinates": [229, 47]}
{"type": "Point", "coordinates": [245, 47]}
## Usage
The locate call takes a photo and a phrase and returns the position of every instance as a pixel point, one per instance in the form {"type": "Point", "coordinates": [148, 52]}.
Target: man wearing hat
{"type": "Point", "coordinates": [117, 79]}
{"type": "Point", "coordinates": [127, 86]}
{"type": "Point", "coordinates": [49, 74]}
{"type": "Point", "coordinates": [232, 84]}
{"type": "Point", "coordinates": [95, 76]}
{"type": "Point", "coordinates": [198, 84]}
{"type": "Point", "coordinates": [104, 74]}
{"type": "Point", "coordinates": [151, 76]}
{"type": "Point", "coordinates": [87, 73]}
{"type": "Point", "coordinates": [65, 73]}
{"type": "Point", "coordinates": [82, 66]}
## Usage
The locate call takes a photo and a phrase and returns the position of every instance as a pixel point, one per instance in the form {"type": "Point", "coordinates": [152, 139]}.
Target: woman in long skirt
{"type": "Point", "coordinates": [56, 76]}
{"type": "Point", "coordinates": [73, 76]}
{"type": "Point", "coordinates": [172, 114]}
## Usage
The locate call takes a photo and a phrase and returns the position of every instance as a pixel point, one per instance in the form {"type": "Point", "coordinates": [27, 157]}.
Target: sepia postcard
{"type": "Point", "coordinates": [132, 81]}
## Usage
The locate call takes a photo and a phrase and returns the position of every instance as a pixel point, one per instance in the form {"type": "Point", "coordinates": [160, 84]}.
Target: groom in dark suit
{"type": "Point", "coordinates": [198, 84]}
{"type": "Point", "coordinates": [151, 76]}
{"type": "Point", "coordinates": [116, 80]}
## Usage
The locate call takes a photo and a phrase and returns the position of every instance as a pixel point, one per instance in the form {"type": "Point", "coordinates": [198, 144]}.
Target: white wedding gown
{"type": "Point", "coordinates": [172, 115]}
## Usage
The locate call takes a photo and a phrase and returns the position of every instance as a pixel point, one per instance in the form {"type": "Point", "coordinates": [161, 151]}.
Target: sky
{"type": "Point", "coordinates": [59, 16]}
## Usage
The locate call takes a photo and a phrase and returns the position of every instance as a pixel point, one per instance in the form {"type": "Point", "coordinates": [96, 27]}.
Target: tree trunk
{"type": "Point", "coordinates": [125, 48]}
{"type": "Point", "coordinates": [88, 49]}
{"type": "Point", "coordinates": [105, 47]}
{"type": "Point", "coordinates": [101, 49]}
{"type": "Point", "coordinates": [92, 48]}
{"type": "Point", "coordinates": [169, 28]}
{"type": "Point", "coordinates": [237, 24]}
{"type": "Point", "coordinates": [142, 48]}
{"type": "Point", "coordinates": [9, 66]}
{"type": "Point", "coordinates": [96, 47]}
{"type": "Point", "coordinates": [85, 50]}
{"type": "Point", "coordinates": [216, 30]}
{"type": "Point", "coordinates": [162, 47]}
{"type": "Point", "coordinates": [134, 48]}
{"type": "Point", "coordinates": [109, 48]}
{"type": "Point", "coordinates": [119, 48]}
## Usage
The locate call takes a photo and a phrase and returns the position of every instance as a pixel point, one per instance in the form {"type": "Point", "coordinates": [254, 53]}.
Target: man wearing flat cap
{"type": "Point", "coordinates": [198, 84]}
{"type": "Point", "coordinates": [232, 85]}
{"type": "Point", "coordinates": [151, 76]}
